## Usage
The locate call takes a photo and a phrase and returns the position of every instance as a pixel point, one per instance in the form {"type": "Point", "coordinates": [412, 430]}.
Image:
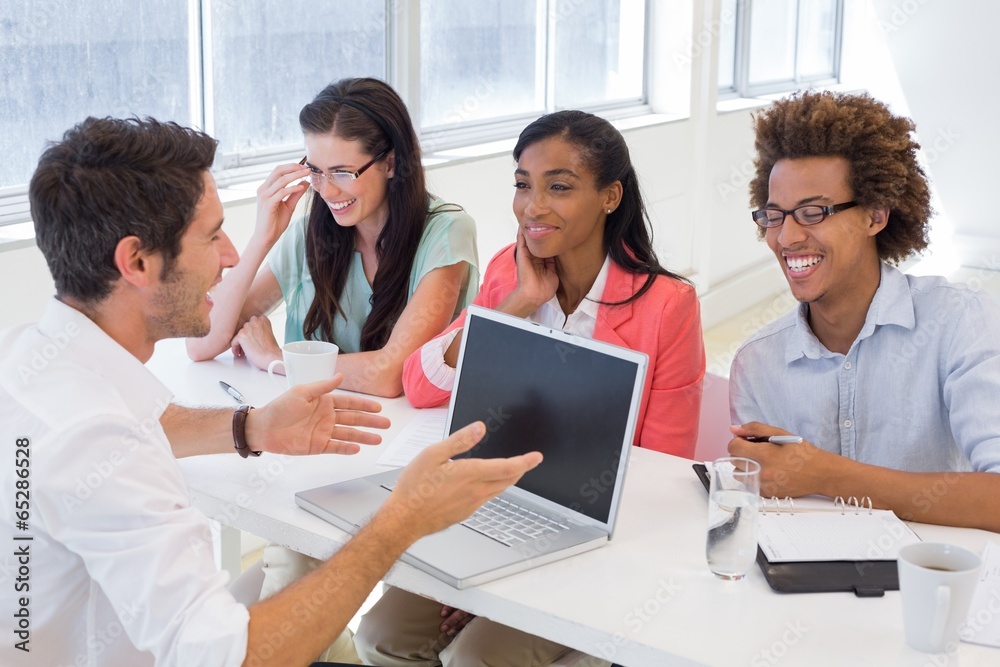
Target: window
{"type": "Point", "coordinates": [532, 57]}
{"type": "Point", "coordinates": [779, 45]}
{"type": "Point", "coordinates": [727, 46]}
{"type": "Point", "coordinates": [61, 62]}
{"type": "Point", "coordinates": [263, 65]}
{"type": "Point", "coordinates": [507, 76]}
{"type": "Point", "coordinates": [610, 69]}
{"type": "Point", "coordinates": [242, 69]}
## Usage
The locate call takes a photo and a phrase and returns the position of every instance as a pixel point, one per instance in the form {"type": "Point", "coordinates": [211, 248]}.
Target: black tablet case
{"type": "Point", "coordinates": [866, 578]}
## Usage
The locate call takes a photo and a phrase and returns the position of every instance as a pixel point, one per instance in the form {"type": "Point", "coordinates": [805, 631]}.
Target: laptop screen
{"type": "Point", "coordinates": [547, 393]}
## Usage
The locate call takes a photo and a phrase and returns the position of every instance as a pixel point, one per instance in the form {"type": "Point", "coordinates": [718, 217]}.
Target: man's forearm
{"type": "Point", "coordinates": [433, 492]}
{"type": "Point", "coordinates": [193, 431]}
{"type": "Point", "coordinates": [295, 625]}
{"type": "Point", "coordinates": [964, 499]}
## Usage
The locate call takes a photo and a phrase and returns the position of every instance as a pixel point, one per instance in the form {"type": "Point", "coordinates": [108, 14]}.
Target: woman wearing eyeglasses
{"type": "Point", "coordinates": [379, 266]}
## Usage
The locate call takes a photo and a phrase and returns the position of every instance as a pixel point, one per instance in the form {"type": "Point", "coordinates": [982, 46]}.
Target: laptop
{"type": "Point", "coordinates": [574, 399]}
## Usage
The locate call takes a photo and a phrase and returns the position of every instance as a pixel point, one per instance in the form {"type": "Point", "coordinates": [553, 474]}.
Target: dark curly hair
{"type": "Point", "coordinates": [878, 146]}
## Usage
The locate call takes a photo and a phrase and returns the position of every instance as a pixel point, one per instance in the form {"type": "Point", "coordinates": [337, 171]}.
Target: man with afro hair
{"type": "Point", "coordinates": [892, 380]}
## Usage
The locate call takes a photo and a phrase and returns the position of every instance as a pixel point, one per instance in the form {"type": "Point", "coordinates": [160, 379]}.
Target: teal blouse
{"type": "Point", "coordinates": [449, 238]}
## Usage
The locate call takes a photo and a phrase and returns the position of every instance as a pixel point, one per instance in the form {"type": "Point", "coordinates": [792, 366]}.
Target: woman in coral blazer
{"type": "Point", "coordinates": [584, 262]}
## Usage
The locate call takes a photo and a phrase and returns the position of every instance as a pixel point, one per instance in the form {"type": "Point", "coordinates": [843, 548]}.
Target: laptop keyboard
{"type": "Point", "coordinates": [511, 524]}
{"type": "Point", "coordinates": [507, 522]}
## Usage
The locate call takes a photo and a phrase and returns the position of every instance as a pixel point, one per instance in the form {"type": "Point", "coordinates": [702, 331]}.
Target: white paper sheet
{"type": "Point", "coordinates": [982, 626]}
{"type": "Point", "coordinates": [426, 428]}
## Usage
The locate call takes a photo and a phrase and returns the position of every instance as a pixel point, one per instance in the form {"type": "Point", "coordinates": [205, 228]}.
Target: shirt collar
{"type": "Point", "coordinates": [891, 305]}
{"type": "Point", "coordinates": [89, 347]}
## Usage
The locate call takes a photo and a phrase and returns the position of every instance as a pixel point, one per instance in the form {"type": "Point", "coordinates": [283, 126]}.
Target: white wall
{"type": "Point", "coordinates": [25, 285]}
{"type": "Point", "coordinates": [694, 172]}
{"type": "Point", "coordinates": [946, 55]}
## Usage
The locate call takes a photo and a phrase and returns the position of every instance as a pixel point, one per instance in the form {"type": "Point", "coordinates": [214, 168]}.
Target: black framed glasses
{"type": "Point", "coordinates": [810, 214]}
{"type": "Point", "coordinates": [340, 178]}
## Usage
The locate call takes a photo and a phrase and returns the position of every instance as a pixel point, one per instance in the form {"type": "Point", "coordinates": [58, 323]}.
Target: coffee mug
{"type": "Point", "coordinates": [936, 583]}
{"type": "Point", "coordinates": [306, 361]}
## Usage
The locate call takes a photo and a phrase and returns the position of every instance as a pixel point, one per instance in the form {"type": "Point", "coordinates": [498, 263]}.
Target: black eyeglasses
{"type": "Point", "coordinates": [810, 214]}
{"type": "Point", "coordinates": [340, 178]}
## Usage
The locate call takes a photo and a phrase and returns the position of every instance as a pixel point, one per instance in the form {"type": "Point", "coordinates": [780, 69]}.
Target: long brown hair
{"type": "Point", "coordinates": [370, 112]}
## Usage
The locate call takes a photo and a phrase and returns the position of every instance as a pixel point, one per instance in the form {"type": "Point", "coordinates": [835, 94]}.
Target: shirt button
{"type": "Point", "coordinates": [847, 365]}
{"type": "Point", "coordinates": [848, 423]}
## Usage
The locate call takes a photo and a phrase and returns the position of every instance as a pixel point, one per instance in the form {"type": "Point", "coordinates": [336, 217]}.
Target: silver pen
{"type": "Point", "coordinates": [232, 391]}
{"type": "Point", "coordinates": [775, 439]}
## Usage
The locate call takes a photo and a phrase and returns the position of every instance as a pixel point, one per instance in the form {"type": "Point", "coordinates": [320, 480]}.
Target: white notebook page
{"type": "Point", "coordinates": [829, 536]}
{"type": "Point", "coordinates": [815, 528]}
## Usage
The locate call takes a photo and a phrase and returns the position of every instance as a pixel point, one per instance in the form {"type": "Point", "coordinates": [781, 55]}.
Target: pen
{"type": "Point", "coordinates": [775, 439]}
{"type": "Point", "coordinates": [232, 391]}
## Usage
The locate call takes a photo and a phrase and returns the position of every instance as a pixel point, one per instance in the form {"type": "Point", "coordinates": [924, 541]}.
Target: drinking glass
{"type": "Point", "coordinates": [733, 496]}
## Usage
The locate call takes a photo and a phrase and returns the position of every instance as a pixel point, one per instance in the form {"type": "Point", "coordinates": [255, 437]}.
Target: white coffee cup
{"type": "Point", "coordinates": [306, 361]}
{"type": "Point", "coordinates": [936, 583]}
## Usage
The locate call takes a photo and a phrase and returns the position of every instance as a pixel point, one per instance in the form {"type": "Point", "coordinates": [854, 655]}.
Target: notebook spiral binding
{"type": "Point", "coordinates": [786, 505]}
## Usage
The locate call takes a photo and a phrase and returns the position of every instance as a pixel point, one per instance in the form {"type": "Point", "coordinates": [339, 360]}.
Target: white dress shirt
{"type": "Point", "coordinates": [121, 569]}
{"type": "Point", "coordinates": [550, 314]}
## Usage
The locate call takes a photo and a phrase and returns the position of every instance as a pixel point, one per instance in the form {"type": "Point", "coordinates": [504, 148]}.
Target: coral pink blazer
{"type": "Point", "coordinates": [665, 323]}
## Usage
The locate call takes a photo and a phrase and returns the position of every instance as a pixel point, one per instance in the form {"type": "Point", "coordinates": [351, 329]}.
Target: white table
{"type": "Point", "coordinates": [647, 598]}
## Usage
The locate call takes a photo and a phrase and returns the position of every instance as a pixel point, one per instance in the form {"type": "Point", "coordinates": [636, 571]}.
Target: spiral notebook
{"type": "Point", "coordinates": [813, 545]}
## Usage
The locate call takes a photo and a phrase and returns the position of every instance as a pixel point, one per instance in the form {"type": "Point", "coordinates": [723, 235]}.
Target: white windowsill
{"type": "Point", "coordinates": [17, 236]}
{"type": "Point", "coordinates": [731, 104]}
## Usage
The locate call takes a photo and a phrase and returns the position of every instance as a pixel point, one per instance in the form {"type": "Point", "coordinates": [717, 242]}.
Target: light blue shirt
{"type": "Point", "coordinates": [919, 390]}
{"type": "Point", "coordinates": [449, 238]}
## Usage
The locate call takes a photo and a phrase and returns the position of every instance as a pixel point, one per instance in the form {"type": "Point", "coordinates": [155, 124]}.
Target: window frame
{"type": "Point", "coordinates": [742, 88]}
{"type": "Point", "coordinates": [402, 72]}
{"type": "Point", "coordinates": [739, 39]}
{"type": "Point", "coordinates": [442, 138]}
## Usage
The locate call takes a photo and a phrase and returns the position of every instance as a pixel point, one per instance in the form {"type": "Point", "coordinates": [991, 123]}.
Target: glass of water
{"type": "Point", "coordinates": [733, 496]}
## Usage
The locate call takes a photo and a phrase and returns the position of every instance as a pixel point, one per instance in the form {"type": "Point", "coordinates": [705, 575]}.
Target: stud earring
{"type": "Point", "coordinates": [609, 211]}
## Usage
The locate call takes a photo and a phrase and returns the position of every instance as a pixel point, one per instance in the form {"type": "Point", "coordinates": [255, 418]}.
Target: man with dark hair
{"type": "Point", "coordinates": [129, 220]}
{"type": "Point", "coordinates": [893, 381]}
